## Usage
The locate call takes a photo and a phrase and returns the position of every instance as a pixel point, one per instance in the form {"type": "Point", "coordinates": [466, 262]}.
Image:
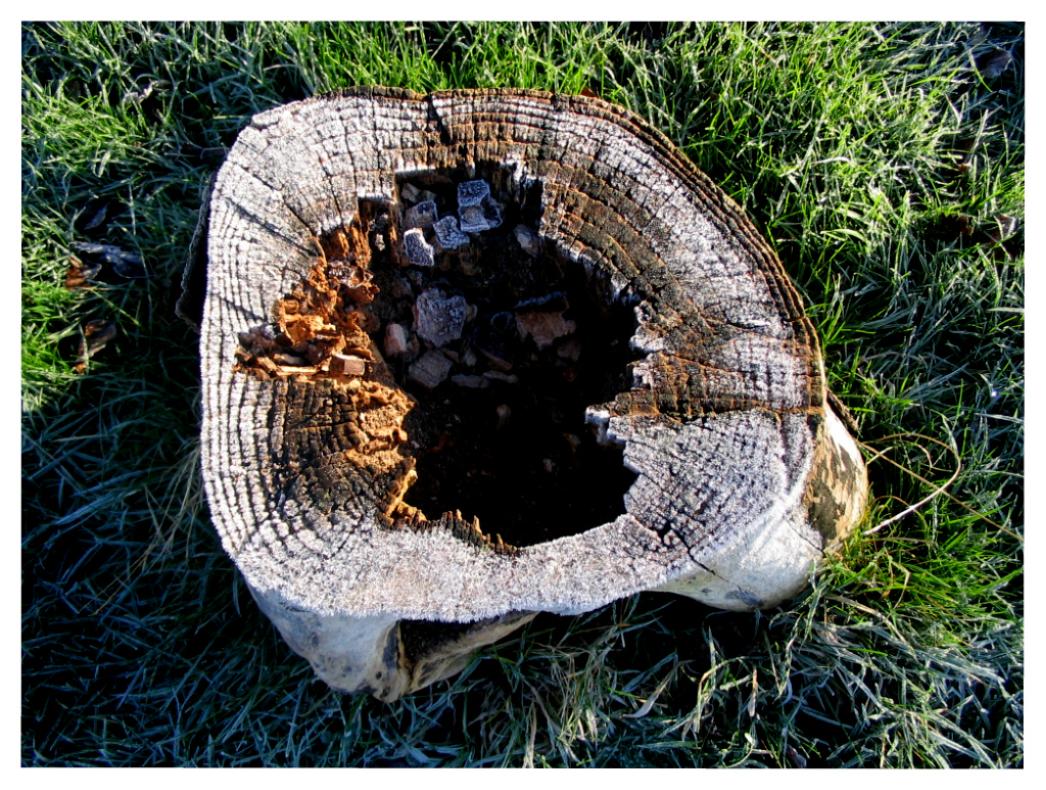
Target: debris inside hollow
{"type": "Point", "coordinates": [493, 349]}
{"type": "Point", "coordinates": [321, 329]}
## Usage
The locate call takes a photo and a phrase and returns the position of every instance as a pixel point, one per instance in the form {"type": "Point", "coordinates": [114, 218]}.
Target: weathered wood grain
{"type": "Point", "coordinates": [744, 475]}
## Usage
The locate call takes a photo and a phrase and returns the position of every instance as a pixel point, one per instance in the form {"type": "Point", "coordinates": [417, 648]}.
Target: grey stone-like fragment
{"type": "Point", "coordinates": [448, 235]}
{"type": "Point", "coordinates": [410, 193]}
{"type": "Point", "coordinates": [416, 250]}
{"type": "Point", "coordinates": [473, 193]}
{"type": "Point", "coordinates": [470, 381]}
{"type": "Point", "coordinates": [397, 342]}
{"type": "Point", "coordinates": [476, 219]}
{"type": "Point", "coordinates": [476, 209]}
{"type": "Point", "coordinates": [528, 240]}
{"type": "Point", "coordinates": [497, 375]}
{"type": "Point", "coordinates": [430, 370]}
{"type": "Point", "coordinates": [472, 219]}
{"type": "Point", "coordinates": [438, 318]}
{"type": "Point", "coordinates": [422, 215]}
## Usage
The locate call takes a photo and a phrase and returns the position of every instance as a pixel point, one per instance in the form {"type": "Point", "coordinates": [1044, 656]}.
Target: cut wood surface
{"type": "Point", "coordinates": [743, 476]}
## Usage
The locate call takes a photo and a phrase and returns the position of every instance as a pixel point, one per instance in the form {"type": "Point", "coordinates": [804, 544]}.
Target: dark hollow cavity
{"type": "Point", "coordinates": [502, 436]}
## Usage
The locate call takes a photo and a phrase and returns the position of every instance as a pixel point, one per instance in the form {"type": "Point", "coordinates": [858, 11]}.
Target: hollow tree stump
{"type": "Point", "coordinates": [477, 355]}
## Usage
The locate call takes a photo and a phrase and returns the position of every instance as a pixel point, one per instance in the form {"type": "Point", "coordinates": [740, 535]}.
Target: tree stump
{"type": "Point", "coordinates": [476, 355]}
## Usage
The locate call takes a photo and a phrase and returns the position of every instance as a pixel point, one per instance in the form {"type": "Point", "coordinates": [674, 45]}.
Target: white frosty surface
{"type": "Point", "coordinates": [717, 508]}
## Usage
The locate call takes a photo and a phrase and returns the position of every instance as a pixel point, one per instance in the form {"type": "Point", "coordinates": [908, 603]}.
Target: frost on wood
{"type": "Point", "coordinates": [448, 235]}
{"type": "Point", "coordinates": [416, 250]}
{"type": "Point", "coordinates": [422, 215]}
{"type": "Point", "coordinates": [597, 379]}
{"type": "Point", "coordinates": [476, 208]}
{"type": "Point", "coordinates": [439, 318]}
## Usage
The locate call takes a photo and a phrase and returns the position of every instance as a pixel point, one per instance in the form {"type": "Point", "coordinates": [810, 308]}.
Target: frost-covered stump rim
{"type": "Point", "coordinates": [744, 475]}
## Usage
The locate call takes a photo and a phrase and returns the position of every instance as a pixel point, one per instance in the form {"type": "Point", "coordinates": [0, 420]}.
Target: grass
{"type": "Point", "coordinates": [885, 164]}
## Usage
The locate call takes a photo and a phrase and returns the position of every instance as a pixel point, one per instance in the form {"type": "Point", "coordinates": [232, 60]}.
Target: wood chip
{"type": "Point", "coordinates": [423, 215]}
{"type": "Point", "coordinates": [430, 370]}
{"type": "Point", "coordinates": [96, 335]}
{"type": "Point", "coordinates": [470, 381]}
{"type": "Point", "coordinates": [438, 318]}
{"type": "Point", "coordinates": [544, 328]}
{"type": "Point", "coordinates": [397, 341]}
{"type": "Point", "coordinates": [79, 274]}
{"type": "Point", "coordinates": [347, 365]}
{"type": "Point", "coordinates": [417, 251]}
{"type": "Point", "coordinates": [528, 240]}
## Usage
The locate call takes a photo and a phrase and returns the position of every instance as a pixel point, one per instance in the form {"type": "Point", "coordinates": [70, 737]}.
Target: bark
{"type": "Point", "coordinates": [744, 475]}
